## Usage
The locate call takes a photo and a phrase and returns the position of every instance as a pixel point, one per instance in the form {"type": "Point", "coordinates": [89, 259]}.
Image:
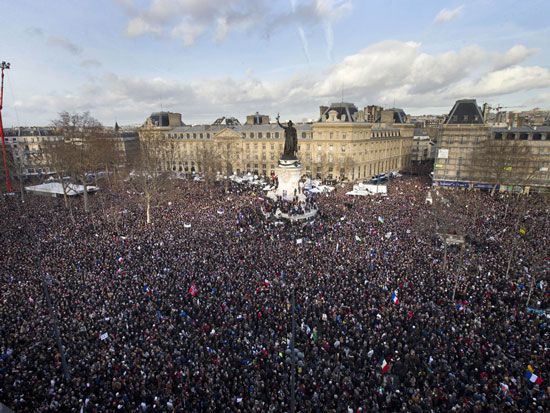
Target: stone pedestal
{"type": "Point", "coordinates": [289, 173]}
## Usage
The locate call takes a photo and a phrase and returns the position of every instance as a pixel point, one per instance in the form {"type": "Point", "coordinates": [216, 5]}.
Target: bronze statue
{"type": "Point", "coordinates": [291, 141]}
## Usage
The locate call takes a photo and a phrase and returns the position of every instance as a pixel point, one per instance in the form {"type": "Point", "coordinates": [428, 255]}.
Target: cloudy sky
{"type": "Point", "coordinates": [123, 59]}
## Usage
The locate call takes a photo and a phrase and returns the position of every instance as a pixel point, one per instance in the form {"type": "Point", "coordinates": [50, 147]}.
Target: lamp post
{"type": "Point", "coordinates": [3, 66]}
{"type": "Point", "coordinates": [293, 360]}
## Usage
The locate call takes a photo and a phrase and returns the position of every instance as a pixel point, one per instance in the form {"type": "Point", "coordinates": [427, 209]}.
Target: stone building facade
{"type": "Point", "coordinates": [471, 154]}
{"type": "Point", "coordinates": [341, 144]}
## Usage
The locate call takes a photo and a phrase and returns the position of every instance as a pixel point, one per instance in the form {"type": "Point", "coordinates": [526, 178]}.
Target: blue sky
{"type": "Point", "coordinates": [123, 59]}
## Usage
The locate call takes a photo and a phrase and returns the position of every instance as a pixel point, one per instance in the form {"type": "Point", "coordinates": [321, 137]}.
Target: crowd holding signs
{"type": "Point", "coordinates": [193, 312]}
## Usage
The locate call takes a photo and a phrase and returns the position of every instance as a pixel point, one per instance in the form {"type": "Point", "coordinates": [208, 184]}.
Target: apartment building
{"type": "Point", "coordinates": [341, 144]}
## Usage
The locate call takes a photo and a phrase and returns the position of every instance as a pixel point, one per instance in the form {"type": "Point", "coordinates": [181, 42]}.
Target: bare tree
{"type": "Point", "coordinates": [321, 164]}
{"type": "Point", "coordinates": [349, 165]}
{"type": "Point", "coordinates": [104, 154]}
{"type": "Point", "coordinates": [58, 154]}
{"type": "Point", "coordinates": [227, 157]}
{"type": "Point", "coordinates": [18, 160]}
{"type": "Point", "coordinates": [148, 176]}
{"type": "Point", "coordinates": [81, 133]}
{"type": "Point", "coordinates": [210, 162]}
{"type": "Point", "coordinates": [502, 162]}
{"type": "Point", "coordinates": [445, 219]}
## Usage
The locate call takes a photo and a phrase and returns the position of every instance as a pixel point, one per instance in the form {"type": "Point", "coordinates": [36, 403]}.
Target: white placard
{"type": "Point", "coordinates": [443, 154]}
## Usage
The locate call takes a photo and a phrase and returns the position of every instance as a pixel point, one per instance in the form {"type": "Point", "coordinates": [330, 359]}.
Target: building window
{"type": "Point", "coordinates": [331, 135]}
{"type": "Point", "coordinates": [259, 135]}
{"type": "Point", "coordinates": [303, 135]}
{"type": "Point", "coordinates": [251, 135]}
{"type": "Point", "coordinates": [263, 146]}
{"type": "Point", "coordinates": [208, 136]}
{"type": "Point", "coordinates": [343, 148]}
{"type": "Point", "coordinates": [343, 136]}
{"type": "Point", "coordinates": [330, 148]}
{"type": "Point", "coordinates": [272, 146]}
{"type": "Point", "coordinates": [200, 135]}
{"type": "Point", "coordinates": [268, 135]}
{"type": "Point", "coordinates": [276, 135]}
{"type": "Point", "coordinates": [255, 146]}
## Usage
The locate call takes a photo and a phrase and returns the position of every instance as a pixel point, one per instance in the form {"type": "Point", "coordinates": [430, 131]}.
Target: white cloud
{"type": "Point", "coordinates": [513, 56]}
{"type": "Point", "coordinates": [505, 81]}
{"type": "Point", "coordinates": [446, 15]}
{"type": "Point", "coordinates": [139, 26]}
{"type": "Point", "coordinates": [191, 19]}
{"type": "Point", "coordinates": [540, 100]}
{"type": "Point", "coordinates": [380, 74]}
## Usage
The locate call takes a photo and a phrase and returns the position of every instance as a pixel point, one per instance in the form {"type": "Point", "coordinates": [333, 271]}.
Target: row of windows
{"type": "Point", "coordinates": [522, 136]}
{"type": "Point", "coordinates": [251, 135]}
{"type": "Point", "coordinates": [35, 140]}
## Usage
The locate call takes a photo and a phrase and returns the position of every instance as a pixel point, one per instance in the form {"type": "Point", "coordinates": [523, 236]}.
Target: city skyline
{"type": "Point", "coordinates": [123, 59]}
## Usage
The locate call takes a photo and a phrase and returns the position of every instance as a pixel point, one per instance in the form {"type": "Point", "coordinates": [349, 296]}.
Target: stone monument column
{"type": "Point", "coordinates": [289, 170]}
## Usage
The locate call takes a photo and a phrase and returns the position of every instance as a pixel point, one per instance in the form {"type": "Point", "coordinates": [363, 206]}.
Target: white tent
{"type": "Point", "coordinates": [56, 189]}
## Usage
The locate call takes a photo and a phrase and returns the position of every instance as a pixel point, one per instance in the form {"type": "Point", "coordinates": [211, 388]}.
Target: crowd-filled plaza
{"type": "Point", "coordinates": [193, 312]}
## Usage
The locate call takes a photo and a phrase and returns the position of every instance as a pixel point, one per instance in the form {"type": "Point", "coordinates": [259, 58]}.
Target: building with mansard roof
{"type": "Point", "coordinates": [341, 144]}
{"type": "Point", "coordinates": [471, 154]}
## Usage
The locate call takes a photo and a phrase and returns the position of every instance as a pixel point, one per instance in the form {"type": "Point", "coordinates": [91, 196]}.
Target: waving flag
{"type": "Point", "coordinates": [357, 238]}
{"type": "Point", "coordinates": [533, 378]}
{"type": "Point", "coordinates": [381, 219]}
{"type": "Point", "coordinates": [385, 366]}
{"type": "Point", "coordinates": [394, 299]}
{"type": "Point", "coordinates": [193, 290]}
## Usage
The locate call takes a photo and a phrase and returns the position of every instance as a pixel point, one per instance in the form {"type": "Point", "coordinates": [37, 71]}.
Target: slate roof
{"type": "Point", "coordinates": [465, 112]}
{"type": "Point", "coordinates": [343, 108]}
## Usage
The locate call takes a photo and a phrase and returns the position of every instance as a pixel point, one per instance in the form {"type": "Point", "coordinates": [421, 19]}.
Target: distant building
{"type": "Point", "coordinates": [341, 144]}
{"type": "Point", "coordinates": [372, 113]}
{"type": "Point", "coordinates": [164, 120]}
{"type": "Point", "coordinates": [25, 146]}
{"type": "Point", "coordinates": [422, 149]}
{"type": "Point", "coordinates": [471, 154]}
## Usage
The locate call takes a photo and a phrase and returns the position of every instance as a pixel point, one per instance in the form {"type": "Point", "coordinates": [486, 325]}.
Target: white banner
{"type": "Point", "coordinates": [443, 154]}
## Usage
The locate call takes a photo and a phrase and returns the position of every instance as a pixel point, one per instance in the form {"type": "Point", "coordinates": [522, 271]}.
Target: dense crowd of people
{"type": "Point", "coordinates": [193, 312]}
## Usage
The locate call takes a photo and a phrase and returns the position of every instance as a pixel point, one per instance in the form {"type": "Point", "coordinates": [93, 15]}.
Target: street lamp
{"type": "Point", "coordinates": [3, 66]}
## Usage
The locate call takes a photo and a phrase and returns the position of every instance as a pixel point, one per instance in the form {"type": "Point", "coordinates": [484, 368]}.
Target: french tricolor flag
{"type": "Point", "coordinates": [385, 366]}
{"type": "Point", "coordinates": [394, 299]}
{"type": "Point", "coordinates": [533, 378]}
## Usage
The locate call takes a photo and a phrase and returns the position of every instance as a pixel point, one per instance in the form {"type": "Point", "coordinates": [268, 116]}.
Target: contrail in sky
{"type": "Point", "coordinates": [301, 31]}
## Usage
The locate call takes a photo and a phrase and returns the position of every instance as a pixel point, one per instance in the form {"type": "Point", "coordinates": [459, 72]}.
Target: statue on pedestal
{"type": "Point", "coordinates": [291, 141]}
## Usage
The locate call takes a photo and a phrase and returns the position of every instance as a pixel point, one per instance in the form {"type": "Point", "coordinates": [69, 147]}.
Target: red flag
{"type": "Point", "coordinates": [193, 290]}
